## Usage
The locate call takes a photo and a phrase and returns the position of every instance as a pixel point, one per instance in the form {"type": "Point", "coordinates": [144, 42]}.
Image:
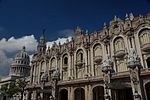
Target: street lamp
{"type": "Point", "coordinates": [107, 70]}
{"type": "Point", "coordinates": [134, 65]}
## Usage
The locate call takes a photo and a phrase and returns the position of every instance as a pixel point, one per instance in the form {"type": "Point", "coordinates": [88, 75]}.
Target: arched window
{"type": "Point", "coordinates": [144, 36]}
{"type": "Point", "coordinates": [65, 67]}
{"type": "Point", "coordinates": [80, 55]}
{"type": "Point", "coordinates": [97, 57]}
{"type": "Point", "coordinates": [119, 44]}
{"type": "Point", "coordinates": [80, 69]}
{"type": "Point", "coordinates": [43, 66]}
{"type": "Point", "coordinates": [119, 54]}
{"type": "Point", "coordinates": [53, 63]}
{"type": "Point", "coordinates": [148, 62]}
{"type": "Point", "coordinates": [66, 61]}
{"type": "Point", "coordinates": [97, 50]}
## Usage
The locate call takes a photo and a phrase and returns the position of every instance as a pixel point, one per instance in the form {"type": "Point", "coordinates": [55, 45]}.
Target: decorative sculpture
{"type": "Point", "coordinates": [107, 64]}
{"type": "Point", "coordinates": [133, 59]}
{"type": "Point", "coordinates": [56, 75]}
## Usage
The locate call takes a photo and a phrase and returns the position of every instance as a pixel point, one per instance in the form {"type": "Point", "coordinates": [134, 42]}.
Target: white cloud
{"type": "Point", "coordinates": [13, 44]}
{"type": "Point", "coordinates": [61, 40]}
{"type": "Point", "coordinates": [4, 60]}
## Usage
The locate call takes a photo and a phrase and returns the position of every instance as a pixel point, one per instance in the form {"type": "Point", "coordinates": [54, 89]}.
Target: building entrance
{"type": "Point", "coordinates": [79, 94]}
{"type": "Point", "coordinates": [63, 95]}
{"type": "Point", "coordinates": [122, 94]}
{"type": "Point", "coordinates": [147, 87]}
{"type": "Point", "coordinates": [98, 93]}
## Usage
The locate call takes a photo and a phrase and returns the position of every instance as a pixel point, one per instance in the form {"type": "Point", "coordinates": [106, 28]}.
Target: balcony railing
{"type": "Point", "coordinates": [119, 53]}
{"type": "Point", "coordinates": [79, 63]}
{"type": "Point", "coordinates": [146, 47]}
{"type": "Point", "coordinates": [97, 59]}
{"type": "Point", "coordinates": [65, 67]}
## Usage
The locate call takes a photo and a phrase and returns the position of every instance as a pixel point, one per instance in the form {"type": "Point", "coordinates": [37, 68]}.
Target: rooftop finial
{"type": "Point", "coordinates": [23, 48]}
{"type": "Point", "coordinates": [127, 15]}
{"type": "Point", "coordinates": [115, 18]}
{"type": "Point", "coordinates": [104, 24]}
{"type": "Point", "coordinates": [131, 16]}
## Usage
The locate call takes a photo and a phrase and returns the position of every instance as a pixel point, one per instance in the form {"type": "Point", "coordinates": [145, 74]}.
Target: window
{"type": "Point", "coordinates": [81, 56]}
{"type": "Point", "coordinates": [144, 36]}
{"type": "Point", "coordinates": [65, 60]}
{"type": "Point", "coordinates": [148, 62]}
{"type": "Point", "coordinates": [119, 44]}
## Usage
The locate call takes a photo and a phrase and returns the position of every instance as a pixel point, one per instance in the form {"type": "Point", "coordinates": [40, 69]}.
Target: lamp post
{"type": "Point", "coordinates": [55, 78]}
{"type": "Point", "coordinates": [134, 65]}
{"type": "Point", "coordinates": [107, 70]}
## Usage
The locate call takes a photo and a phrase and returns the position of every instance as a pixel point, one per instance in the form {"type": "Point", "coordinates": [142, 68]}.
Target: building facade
{"type": "Point", "coordinates": [110, 64]}
{"type": "Point", "coordinates": [20, 68]}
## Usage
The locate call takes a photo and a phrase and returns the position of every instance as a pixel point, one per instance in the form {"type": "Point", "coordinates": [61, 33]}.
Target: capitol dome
{"type": "Point", "coordinates": [20, 66]}
{"type": "Point", "coordinates": [22, 56]}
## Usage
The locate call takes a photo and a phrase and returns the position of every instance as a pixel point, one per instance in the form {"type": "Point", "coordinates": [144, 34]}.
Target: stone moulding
{"type": "Point", "coordinates": [119, 53]}
{"type": "Point", "coordinates": [146, 47]}
{"type": "Point", "coordinates": [98, 59]}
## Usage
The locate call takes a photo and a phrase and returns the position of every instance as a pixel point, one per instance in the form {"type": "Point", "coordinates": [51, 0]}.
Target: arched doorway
{"type": "Point", "coordinates": [63, 94]}
{"type": "Point", "coordinates": [122, 94]}
{"type": "Point", "coordinates": [98, 93]}
{"type": "Point", "coordinates": [79, 94]}
{"type": "Point", "coordinates": [148, 62]}
{"type": "Point", "coordinates": [147, 87]}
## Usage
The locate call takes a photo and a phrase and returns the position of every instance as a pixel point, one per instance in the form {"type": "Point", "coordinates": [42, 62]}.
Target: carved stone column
{"type": "Point", "coordinates": [107, 70]}
{"type": "Point", "coordinates": [55, 78]}
{"type": "Point", "coordinates": [134, 65]}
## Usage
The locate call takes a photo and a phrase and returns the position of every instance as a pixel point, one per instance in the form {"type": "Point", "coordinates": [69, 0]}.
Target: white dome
{"type": "Point", "coordinates": [22, 55]}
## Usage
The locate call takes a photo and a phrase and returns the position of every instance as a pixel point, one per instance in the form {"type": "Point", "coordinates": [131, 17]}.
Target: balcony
{"type": "Point", "coordinates": [97, 59]}
{"type": "Point", "coordinates": [79, 63]}
{"type": "Point", "coordinates": [65, 67]}
{"type": "Point", "coordinates": [119, 53]}
{"type": "Point", "coordinates": [52, 69]}
{"type": "Point", "coordinates": [146, 47]}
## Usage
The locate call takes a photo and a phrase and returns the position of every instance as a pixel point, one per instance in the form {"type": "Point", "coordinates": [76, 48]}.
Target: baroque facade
{"type": "Point", "coordinates": [110, 64]}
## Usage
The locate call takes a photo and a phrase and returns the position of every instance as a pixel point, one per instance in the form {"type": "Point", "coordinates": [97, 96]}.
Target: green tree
{"type": "Point", "coordinates": [3, 91]}
{"type": "Point", "coordinates": [8, 90]}
{"type": "Point", "coordinates": [12, 89]}
{"type": "Point", "coordinates": [21, 84]}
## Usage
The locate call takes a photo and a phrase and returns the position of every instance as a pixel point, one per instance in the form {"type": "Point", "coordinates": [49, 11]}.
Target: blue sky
{"type": "Point", "coordinates": [24, 17]}
{"type": "Point", "coordinates": [21, 18]}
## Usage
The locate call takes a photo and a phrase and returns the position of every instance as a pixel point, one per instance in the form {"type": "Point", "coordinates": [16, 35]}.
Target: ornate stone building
{"type": "Point", "coordinates": [110, 64]}
{"type": "Point", "coordinates": [20, 68]}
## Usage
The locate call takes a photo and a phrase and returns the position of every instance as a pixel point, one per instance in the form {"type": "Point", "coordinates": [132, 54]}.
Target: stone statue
{"type": "Point", "coordinates": [44, 77]}
{"type": "Point", "coordinates": [107, 64]}
{"type": "Point", "coordinates": [56, 74]}
{"type": "Point", "coordinates": [133, 59]}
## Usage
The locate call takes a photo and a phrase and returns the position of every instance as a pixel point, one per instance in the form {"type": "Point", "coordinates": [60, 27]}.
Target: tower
{"type": "Point", "coordinates": [42, 43]}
